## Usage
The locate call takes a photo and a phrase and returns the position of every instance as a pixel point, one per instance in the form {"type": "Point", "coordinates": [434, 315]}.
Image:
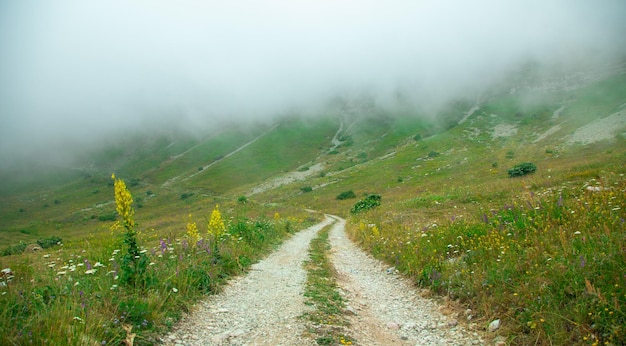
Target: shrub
{"type": "Point", "coordinates": [417, 137]}
{"type": "Point", "coordinates": [242, 199]}
{"type": "Point", "coordinates": [522, 169]}
{"type": "Point", "coordinates": [433, 154]}
{"type": "Point", "coordinates": [346, 195]}
{"type": "Point", "coordinates": [369, 202]}
{"type": "Point", "coordinates": [306, 189]}
{"type": "Point", "coordinates": [186, 195]}
{"type": "Point", "coordinates": [48, 242]}
{"type": "Point", "coordinates": [107, 217]}
{"type": "Point", "coordinates": [15, 249]}
{"type": "Point", "coordinates": [509, 154]}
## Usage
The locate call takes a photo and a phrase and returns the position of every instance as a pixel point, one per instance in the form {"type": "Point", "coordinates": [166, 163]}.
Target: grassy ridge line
{"type": "Point", "coordinates": [326, 321]}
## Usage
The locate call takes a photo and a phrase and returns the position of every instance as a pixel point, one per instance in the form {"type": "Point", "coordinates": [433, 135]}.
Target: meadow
{"type": "Point", "coordinates": [549, 263]}
{"type": "Point", "coordinates": [130, 284]}
{"type": "Point", "coordinates": [545, 253]}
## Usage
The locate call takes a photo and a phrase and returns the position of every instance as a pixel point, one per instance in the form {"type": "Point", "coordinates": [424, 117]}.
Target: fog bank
{"type": "Point", "coordinates": [75, 72]}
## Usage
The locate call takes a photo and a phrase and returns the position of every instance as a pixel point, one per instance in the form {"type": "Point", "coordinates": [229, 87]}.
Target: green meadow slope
{"type": "Point", "coordinates": [446, 171]}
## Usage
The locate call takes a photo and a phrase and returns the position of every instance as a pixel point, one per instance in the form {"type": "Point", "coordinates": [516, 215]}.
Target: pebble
{"type": "Point", "coordinates": [494, 325]}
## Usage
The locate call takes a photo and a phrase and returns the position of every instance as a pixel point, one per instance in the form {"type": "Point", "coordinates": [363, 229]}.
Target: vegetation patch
{"type": "Point", "coordinates": [127, 282]}
{"type": "Point", "coordinates": [369, 202]}
{"type": "Point", "coordinates": [327, 321]}
{"type": "Point", "coordinates": [522, 169]}
{"type": "Point", "coordinates": [346, 195]}
{"type": "Point", "coordinates": [548, 264]}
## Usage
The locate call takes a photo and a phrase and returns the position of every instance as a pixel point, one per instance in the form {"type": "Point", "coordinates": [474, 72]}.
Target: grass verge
{"type": "Point", "coordinates": [550, 263]}
{"type": "Point", "coordinates": [326, 320]}
{"type": "Point", "coordinates": [77, 294]}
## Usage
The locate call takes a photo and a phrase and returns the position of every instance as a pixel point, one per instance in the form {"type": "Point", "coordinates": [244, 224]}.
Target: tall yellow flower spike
{"type": "Point", "coordinates": [123, 202]}
{"type": "Point", "coordinates": [216, 223]}
{"type": "Point", "coordinates": [192, 232]}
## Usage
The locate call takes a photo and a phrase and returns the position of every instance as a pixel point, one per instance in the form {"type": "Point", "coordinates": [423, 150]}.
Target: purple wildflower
{"type": "Point", "coordinates": [582, 261]}
{"type": "Point", "coordinates": [88, 265]}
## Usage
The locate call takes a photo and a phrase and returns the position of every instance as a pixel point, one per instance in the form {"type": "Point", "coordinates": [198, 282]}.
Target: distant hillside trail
{"type": "Point", "coordinates": [263, 307]}
{"type": "Point", "coordinates": [240, 148]}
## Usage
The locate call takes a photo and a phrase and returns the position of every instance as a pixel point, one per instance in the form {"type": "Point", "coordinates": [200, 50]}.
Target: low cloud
{"type": "Point", "coordinates": [74, 72]}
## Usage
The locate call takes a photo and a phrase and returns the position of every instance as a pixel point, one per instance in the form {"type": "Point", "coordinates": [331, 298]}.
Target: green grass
{"type": "Point", "coordinates": [548, 263]}
{"type": "Point", "coordinates": [418, 192]}
{"type": "Point", "coordinates": [71, 294]}
{"type": "Point", "coordinates": [327, 320]}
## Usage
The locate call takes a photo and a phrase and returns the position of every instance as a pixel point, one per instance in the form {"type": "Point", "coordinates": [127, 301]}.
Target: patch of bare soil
{"type": "Point", "coordinates": [599, 130]}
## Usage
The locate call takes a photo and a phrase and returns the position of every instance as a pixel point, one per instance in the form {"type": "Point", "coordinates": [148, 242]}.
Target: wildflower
{"type": "Point", "coordinates": [216, 223]}
{"type": "Point", "coordinates": [98, 264]}
{"type": "Point", "coordinates": [61, 273]}
{"type": "Point", "coordinates": [123, 202]}
{"type": "Point", "coordinates": [113, 287]}
{"type": "Point", "coordinates": [192, 232]}
{"type": "Point", "coordinates": [174, 289]}
{"type": "Point", "coordinates": [46, 256]}
{"type": "Point", "coordinates": [90, 271]}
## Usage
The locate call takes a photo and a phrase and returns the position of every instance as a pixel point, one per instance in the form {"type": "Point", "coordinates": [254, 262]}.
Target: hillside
{"type": "Point", "coordinates": [448, 168]}
{"type": "Point", "coordinates": [571, 126]}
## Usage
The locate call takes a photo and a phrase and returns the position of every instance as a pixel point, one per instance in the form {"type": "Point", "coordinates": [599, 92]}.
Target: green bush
{"type": "Point", "coordinates": [346, 195]}
{"type": "Point", "coordinates": [369, 202]}
{"type": "Point", "coordinates": [522, 169]}
{"type": "Point", "coordinates": [48, 242]}
{"type": "Point", "coordinates": [108, 217]}
{"type": "Point", "coordinates": [417, 137]}
{"type": "Point", "coordinates": [186, 195]}
{"type": "Point", "coordinates": [433, 154]}
{"type": "Point", "coordinates": [306, 189]}
{"type": "Point", "coordinates": [15, 249]}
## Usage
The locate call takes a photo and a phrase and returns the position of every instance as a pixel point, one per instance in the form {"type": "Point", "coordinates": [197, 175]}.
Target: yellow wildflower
{"type": "Point", "coordinates": [123, 202]}
{"type": "Point", "coordinates": [216, 223]}
{"type": "Point", "coordinates": [192, 232]}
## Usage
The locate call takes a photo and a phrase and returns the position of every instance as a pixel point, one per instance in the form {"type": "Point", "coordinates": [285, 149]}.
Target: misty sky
{"type": "Point", "coordinates": [76, 71]}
